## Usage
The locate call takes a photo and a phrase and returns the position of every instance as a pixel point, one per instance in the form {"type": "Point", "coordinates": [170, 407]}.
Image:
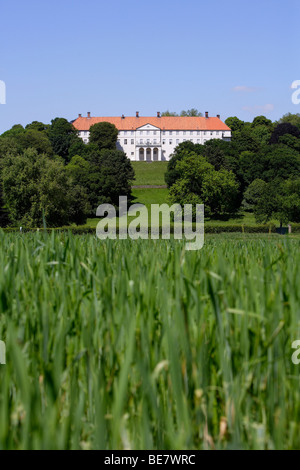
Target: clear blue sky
{"type": "Point", "coordinates": [61, 58]}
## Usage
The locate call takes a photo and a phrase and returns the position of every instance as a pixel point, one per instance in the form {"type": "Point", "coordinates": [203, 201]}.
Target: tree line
{"type": "Point", "coordinates": [48, 174]}
{"type": "Point", "coordinates": [257, 171]}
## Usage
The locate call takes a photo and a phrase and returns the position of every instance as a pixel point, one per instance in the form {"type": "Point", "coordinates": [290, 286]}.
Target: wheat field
{"type": "Point", "coordinates": [143, 345]}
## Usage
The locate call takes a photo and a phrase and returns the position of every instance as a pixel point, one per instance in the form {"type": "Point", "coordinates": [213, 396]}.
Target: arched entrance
{"type": "Point", "coordinates": [148, 155]}
{"type": "Point", "coordinates": [155, 154]}
{"type": "Point", "coordinates": [141, 154]}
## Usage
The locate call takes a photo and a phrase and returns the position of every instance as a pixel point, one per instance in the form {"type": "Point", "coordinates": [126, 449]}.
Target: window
{"type": "Point", "coordinates": [132, 141]}
{"type": "Point", "coordinates": [191, 133]}
{"type": "Point", "coordinates": [154, 141]}
{"type": "Point", "coordinates": [170, 141]}
{"type": "Point", "coordinates": [85, 133]}
{"type": "Point", "coordinates": [164, 132]}
{"type": "Point", "coordinates": [198, 132]}
{"type": "Point", "coordinates": [184, 132]}
{"type": "Point", "coordinates": [125, 132]}
{"type": "Point", "coordinates": [184, 140]}
{"type": "Point", "coordinates": [198, 141]}
{"type": "Point", "coordinates": [177, 141]}
{"type": "Point", "coordinates": [154, 132]}
{"type": "Point", "coordinates": [170, 133]}
{"type": "Point", "coordinates": [141, 141]}
{"type": "Point", "coordinates": [164, 141]}
{"type": "Point", "coordinates": [132, 153]}
{"type": "Point", "coordinates": [148, 132]}
{"type": "Point", "coordinates": [177, 132]}
{"type": "Point", "coordinates": [125, 141]}
{"type": "Point", "coordinates": [131, 132]}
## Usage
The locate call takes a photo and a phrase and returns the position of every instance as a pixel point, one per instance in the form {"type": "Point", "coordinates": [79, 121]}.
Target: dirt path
{"type": "Point", "coordinates": [150, 186]}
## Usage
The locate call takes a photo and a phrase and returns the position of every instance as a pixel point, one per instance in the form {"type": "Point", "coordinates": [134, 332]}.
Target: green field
{"type": "Point", "coordinates": [149, 173]}
{"type": "Point", "coordinates": [142, 345]}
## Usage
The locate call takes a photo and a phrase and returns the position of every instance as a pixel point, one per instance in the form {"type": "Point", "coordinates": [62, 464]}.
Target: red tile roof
{"type": "Point", "coordinates": [164, 123]}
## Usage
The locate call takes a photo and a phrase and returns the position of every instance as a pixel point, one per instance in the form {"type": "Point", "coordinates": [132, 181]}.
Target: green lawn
{"type": "Point", "coordinates": [149, 173]}
{"type": "Point", "coordinates": [150, 196]}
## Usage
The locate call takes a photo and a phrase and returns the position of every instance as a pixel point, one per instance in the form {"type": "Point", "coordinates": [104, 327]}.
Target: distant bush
{"type": "Point", "coordinates": [207, 229]}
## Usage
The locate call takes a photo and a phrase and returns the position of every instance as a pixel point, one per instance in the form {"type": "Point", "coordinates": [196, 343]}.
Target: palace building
{"type": "Point", "coordinates": [155, 138]}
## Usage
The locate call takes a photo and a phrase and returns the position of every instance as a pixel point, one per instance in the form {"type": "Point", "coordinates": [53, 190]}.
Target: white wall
{"type": "Point", "coordinates": [166, 140]}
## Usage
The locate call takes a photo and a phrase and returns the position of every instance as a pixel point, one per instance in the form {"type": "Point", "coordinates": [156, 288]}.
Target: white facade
{"type": "Point", "coordinates": [149, 142]}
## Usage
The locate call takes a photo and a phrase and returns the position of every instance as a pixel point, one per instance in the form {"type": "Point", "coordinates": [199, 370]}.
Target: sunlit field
{"type": "Point", "coordinates": [143, 345]}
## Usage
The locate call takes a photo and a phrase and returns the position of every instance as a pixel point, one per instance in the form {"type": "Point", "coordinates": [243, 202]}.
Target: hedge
{"type": "Point", "coordinates": [207, 229]}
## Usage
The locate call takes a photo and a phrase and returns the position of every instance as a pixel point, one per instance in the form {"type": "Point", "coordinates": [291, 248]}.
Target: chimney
{"type": "Point", "coordinates": [88, 115]}
{"type": "Point", "coordinates": [206, 114]}
{"type": "Point", "coordinates": [123, 117]}
{"type": "Point", "coordinates": [79, 115]}
{"type": "Point", "coordinates": [158, 114]}
{"type": "Point", "coordinates": [218, 116]}
{"type": "Point", "coordinates": [137, 114]}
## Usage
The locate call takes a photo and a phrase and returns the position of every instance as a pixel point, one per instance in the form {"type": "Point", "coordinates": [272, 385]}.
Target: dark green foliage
{"type": "Point", "coordinates": [279, 200]}
{"type": "Point", "coordinates": [253, 193]}
{"type": "Point", "coordinates": [104, 135]}
{"type": "Point", "coordinates": [182, 150]}
{"type": "Point", "coordinates": [282, 129]}
{"type": "Point", "coordinates": [111, 175]}
{"type": "Point", "coordinates": [293, 119]}
{"type": "Point", "coordinates": [234, 123]}
{"type": "Point", "coordinates": [35, 186]}
{"type": "Point", "coordinates": [62, 135]}
{"type": "Point", "coordinates": [200, 183]}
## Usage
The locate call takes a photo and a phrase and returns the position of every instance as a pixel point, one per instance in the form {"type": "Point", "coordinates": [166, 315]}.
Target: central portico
{"type": "Point", "coordinates": [148, 143]}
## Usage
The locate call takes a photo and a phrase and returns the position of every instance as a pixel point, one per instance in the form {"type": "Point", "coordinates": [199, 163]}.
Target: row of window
{"type": "Point", "coordinates": [147, 132]}
{"type": "Point", "coordinates": [164, 141]}
{"type": "Point", "coordinates": [86, 133]}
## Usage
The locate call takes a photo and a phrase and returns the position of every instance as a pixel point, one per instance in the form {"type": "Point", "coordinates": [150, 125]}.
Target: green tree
{"type": "Point", "coordinates": [220, 193]}
{"type": "Point", "coordinates": [110, 176]}
{"type": "Point", "coordinates": [169, 113]}
{"type": "Point", "coordinates": [8, 145]}
{"type": "Point", "coordinates": [62, 135]}
{"type": "Point", "coordinates": [37, 126]}
{"type": "Point", "coordinates": [180, 193]}
{"type": "Point", "coordinates": [262, 121]}
{"type": "Point", "coordinates": [253, 193]}
{"type": "Point", "coordinates": [200, 183]}
{"type": "Point", "coordinates": [34, 185]}
{"type": "Point", "coordinates": [280, 201]}
{"type": "Point", "coordinates": [15, 131]}
{"type": "Point", "coordinates": [234, 123]}
{"type": "Point", "coordinates": [184, 148]}
{"type": "Point", "coordinates": [290, 118]}
{"type": "Point", "coordinates": [104, 135]}
{"type": "Point", "coordinates": [191, 112]}
{"type": "Point", "coordinates": [282, 129]}
{"type": "Point", "coordinates": [37, 140]}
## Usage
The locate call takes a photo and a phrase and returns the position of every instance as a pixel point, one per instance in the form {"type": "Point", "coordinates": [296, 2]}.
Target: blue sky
{"type": "Point", "coordinates": [233, 58]}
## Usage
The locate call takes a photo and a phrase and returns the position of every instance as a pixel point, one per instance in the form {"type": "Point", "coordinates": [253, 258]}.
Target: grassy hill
{"type": "Point", "coordinates": [149, 173]}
